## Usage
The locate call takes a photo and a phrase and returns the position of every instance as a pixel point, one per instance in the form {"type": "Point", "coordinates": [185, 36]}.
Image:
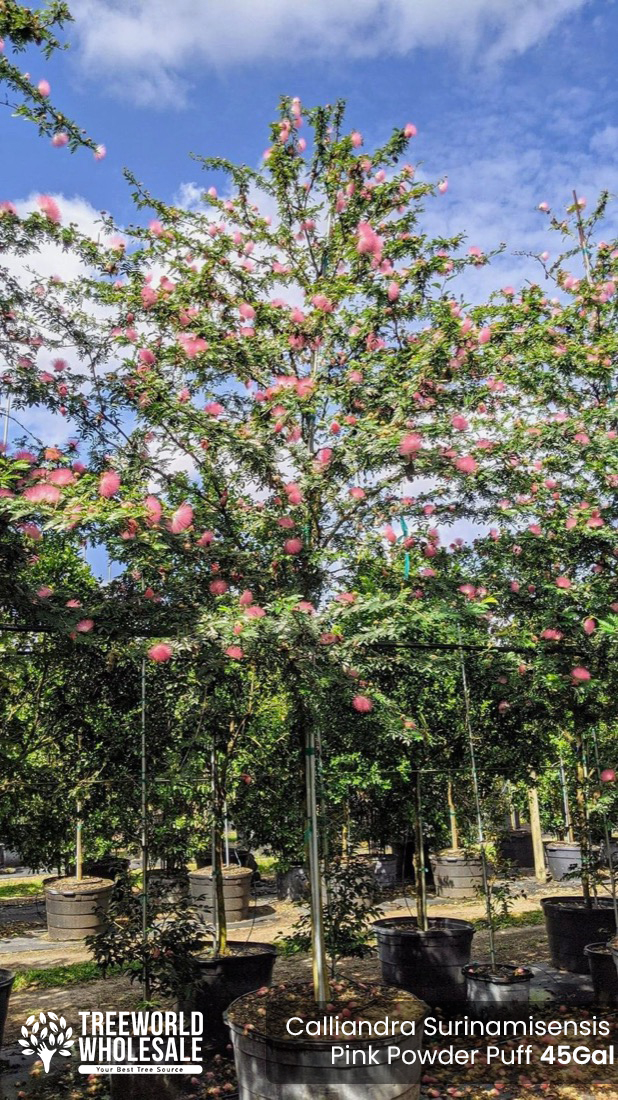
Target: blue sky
{"type": "Point", "coordinates": [515, 102]}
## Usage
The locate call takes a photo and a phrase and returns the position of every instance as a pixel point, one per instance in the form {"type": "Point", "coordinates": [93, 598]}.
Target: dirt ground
{"type": "Point", "coordinates": [24, 945]}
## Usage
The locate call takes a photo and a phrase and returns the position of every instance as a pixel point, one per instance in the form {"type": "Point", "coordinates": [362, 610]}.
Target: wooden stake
{"type": "Point", "coordinates": [452, 815]}
{"type": "Point", "coordinates": [320, 975]}
{"type": "Point", "coordinates": [537, 835]}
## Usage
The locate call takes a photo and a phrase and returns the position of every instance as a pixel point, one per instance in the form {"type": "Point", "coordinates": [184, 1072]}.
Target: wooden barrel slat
{"type": "Point", "coordinates": [236, 893]}
{"type": "Point", "coordinates": [73, 915]}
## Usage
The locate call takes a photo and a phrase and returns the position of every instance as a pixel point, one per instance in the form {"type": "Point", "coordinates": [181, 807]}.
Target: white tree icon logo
{"type": "Point", "coordinates": [48, 1035]}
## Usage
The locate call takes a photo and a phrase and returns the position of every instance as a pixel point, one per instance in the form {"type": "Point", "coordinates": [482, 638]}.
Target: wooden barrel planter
{"type": "Point", "coordinates": [76, 909]}
{"type": "Point", "coordinates": [563, 858]}
{"type": "Point", "coordinates": [504, 991]}
{"type": "Point", "coordinates": [571, 927]}
{"type": "Point", "coordinates": [236, 892]}
{"type": "Point", "coordinates": [169, 887]}
{"type": "Point", "coordinates": [428, 964]}
{"type": "Point", "coordinates": [7, 977]}
{"type": "Point", "coordinates": [223, 979]}
{"type": "Point", "coordinates": [270, 1065]}
{"type": "Point", "coordinates": [603, 973]}
{"type": "Point", "coordinates": [456, 875]}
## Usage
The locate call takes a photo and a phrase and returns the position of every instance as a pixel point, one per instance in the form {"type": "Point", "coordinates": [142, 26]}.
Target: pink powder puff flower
{"type": "Point", "coordinates": [580, 675]}
{"type": "Point", "coordinates": [181, 519]}
{"type": "Point", "coordinates": [42, 494]}
{"type": "Point", "coordinates": [235, 652]}
{"type": "Point", "coordinates": [109, 484]}
{"type": "Point", "coordinates": [84, 626]}
{"type": "Point", "coordinates": [410, 444]}
{"type": "Point", "coordinates": [154, 510]}
{"type": "Point", "coordinates": [466, 464]}
{"type": "Point", "coordinates": [160, 652]}
{"type": "Point", "coordinates": [255, 612]}
{"type": "Point", "coordinates": [218, 587]}
{"type": "Point", "coordinates": [362, 704]}
{"type": "Point", "coordinates": [50, 208]}
{"type": "Point", "coordinates": [293, 546]}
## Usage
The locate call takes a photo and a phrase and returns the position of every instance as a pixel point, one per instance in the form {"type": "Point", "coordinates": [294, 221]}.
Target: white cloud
{"type": "Point", "coordinates": [605, 142]}
{"type": "Point", "coordinates": [153, 50]}
{"type": "Point", "coordinates": [49, 260]}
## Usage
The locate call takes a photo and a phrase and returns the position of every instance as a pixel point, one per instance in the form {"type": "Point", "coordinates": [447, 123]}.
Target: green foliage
{"type": "Point", "coordinates": [351, 906]}
{"type": "Point", "coordinates": [21, 27]}
{"type": "Point", "coordinates": [165, 958]}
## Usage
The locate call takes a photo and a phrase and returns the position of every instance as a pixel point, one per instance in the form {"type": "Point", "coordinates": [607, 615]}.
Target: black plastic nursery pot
{"type": "Point", "coordinates": [603, 973]}
{"type": "Point", "coordinates": [516, 847]}
{"type": "Point", "coordinates": [224, 978]}
{"type": "Point", "coordinates": [563, 858]}
{"type": "Point", "coordinates": [7, 977]}
{"type": "Point", "coordinates": [504, 991]}
{"type": "Point", "coordinates": [428, 964]}
{"type": "Point", "coordinates": [456, 875]}
{"type": "Point", "coordinates": [109, 866]}
{"type": "Point", "coordinates": [269, 1065]}
{"type": "Point", "coordinates": [169, 887]}
{"type": "Point", "coordinates": [293, 884]}
{"type": "Point", "coordinates": [571, 926]}
{"type": "Point", "coordinates": [76, 909]}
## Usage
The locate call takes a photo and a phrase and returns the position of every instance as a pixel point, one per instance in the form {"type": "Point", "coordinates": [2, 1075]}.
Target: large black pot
{"type": "Point", "coordinates": [222, 979]}
{"type": "Point", "coordinates": [7, 977]}
{"type": "Point", "coordinates": [293, 884]}
{"type": "Point", "coordinates": [428, 964]}
{"type": "Point", "coordinates": [109, 866]}
{"type": "Point", "coordinates": [603, 972]}
{"type": "Point", "coordinates": [516, 847]}
{"type": "Point", "coordinates": [571, 926]}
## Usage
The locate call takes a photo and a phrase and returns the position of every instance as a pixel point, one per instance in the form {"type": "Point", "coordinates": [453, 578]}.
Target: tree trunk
{"type": "Point", "coordinates": [419, 857]}
{"type": "Point", "coordinates": [220, 920]}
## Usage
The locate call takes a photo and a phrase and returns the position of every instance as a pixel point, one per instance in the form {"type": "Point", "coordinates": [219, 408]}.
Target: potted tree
{"type": "Point", "coordinates": [317, 420]}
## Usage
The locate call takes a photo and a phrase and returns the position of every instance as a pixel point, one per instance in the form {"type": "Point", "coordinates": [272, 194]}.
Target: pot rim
{"type": "Point", "coordinates": [265, 949]}
{"type": "Point", "coordinates": [604, 945]}
{"type": "Point", "coordinates": [98, 885]}
{"type": "Point", "coordinates": [497, 979]}
{"type": "Point", "coordinates": [453, 924]}
{"type": "Point", "coordinates": [229, 872]}
{"type": "Point", "coordinates": [301, 1043]}
{"type": "Point", "coordinates": [574, 903]}
{"type": "Point", "coordinates": [7, 977]}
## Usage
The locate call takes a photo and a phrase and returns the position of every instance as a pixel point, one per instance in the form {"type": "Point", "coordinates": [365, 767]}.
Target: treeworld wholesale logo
{"type": "Point", "coordinates": [48, 1035]}
{"type": "Point", "coordinates": [120, 1042]}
